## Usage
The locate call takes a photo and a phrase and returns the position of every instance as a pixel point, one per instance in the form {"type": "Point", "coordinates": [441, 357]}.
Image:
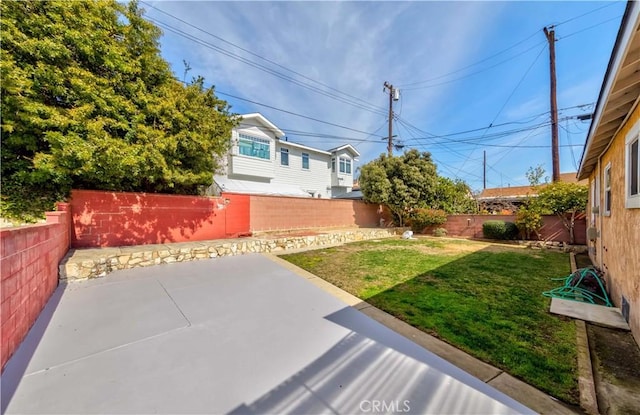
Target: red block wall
{"type": "Point", "coordinates": [29, 257]}
{"type": "Point", "coordinates": [470, 226]}
{"type": "Point", "coordinates": [287, 213]}
{"type": "Point", "coordinates": [102, 218]}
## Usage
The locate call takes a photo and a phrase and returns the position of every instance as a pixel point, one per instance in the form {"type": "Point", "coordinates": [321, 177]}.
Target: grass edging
{"type": "Point", "coordinates": [586, 383]}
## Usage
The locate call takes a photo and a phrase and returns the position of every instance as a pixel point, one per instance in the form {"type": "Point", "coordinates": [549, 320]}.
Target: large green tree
{"type": "Point", "coordinates": [454, 196]}
{"type": "Point", "coordinates": [565, 200]}
{"type": "Point", "coordinates": [88, 102]}
{"type": "Point", "coordinates": [402, 183]}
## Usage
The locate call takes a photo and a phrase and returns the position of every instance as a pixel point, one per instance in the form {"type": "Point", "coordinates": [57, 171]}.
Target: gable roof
{"type": "Point", "coordinates": [620, 91]}
{"type": "Point", "coordinates": [258, 119]}
{"type": "Point", "coordinates": [348, 147]}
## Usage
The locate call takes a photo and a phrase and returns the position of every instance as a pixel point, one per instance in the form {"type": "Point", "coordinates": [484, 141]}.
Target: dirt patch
{"type": "Point", "coordinates": [616, 366]}
{"type": "Point", "coordinates": [583, 260]}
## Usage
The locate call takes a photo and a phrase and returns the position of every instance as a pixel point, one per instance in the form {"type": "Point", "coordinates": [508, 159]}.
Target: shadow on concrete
{"type": "Point", "coordinates": [374, 366]}
{"type": "Point", "coordinates": [17, 365]}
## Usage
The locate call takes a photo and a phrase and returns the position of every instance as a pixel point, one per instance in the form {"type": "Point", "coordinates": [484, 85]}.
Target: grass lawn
{"type": "Point", "coordinates": [483, 298]}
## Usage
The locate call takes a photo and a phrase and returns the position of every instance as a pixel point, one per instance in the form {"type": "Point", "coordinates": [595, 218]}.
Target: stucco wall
{"type": "Point", "coordinates": [617, 250]}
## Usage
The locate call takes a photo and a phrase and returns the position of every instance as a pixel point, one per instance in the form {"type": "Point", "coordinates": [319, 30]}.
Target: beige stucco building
{"type": "Point", "coordinates": [611, 163]}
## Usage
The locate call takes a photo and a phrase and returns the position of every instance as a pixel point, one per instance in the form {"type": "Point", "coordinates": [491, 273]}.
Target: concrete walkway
{"type": "Point", "coordinates": [229, 335]}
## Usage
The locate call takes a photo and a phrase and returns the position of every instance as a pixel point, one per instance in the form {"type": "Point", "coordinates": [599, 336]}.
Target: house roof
{"type": "Point", "coordinates": [349, 147]}
{"type": "Point", "coordinates": [303, 147]}
{"type": "Point", "coordinates": [354, 195]}
{"type": "Point", "coordinates": [620, 91]}
{"type": "Point", "coordinates": [256, 188]}
{"type": "Point", "coordinates": [260, 120]}
{"type": "Point", "coordinates": [520, 192]}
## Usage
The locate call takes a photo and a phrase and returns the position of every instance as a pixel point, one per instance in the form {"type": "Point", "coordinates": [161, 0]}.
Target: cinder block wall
{"type": "Point", "coordinates": [103, 219]}
{"type": "Point", "coordinates": [470, 226]}
{"type": "Point", "coordinates": [289, 213]}
{"type": "Point", "coordinates": [29, 257]}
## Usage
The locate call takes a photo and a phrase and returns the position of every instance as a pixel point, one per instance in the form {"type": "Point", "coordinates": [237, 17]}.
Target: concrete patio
{"type": "Point", "coordinates": [228, 335]}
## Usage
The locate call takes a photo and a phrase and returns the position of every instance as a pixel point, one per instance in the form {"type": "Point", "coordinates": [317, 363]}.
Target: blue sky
{"type": "Point", "coordinates": [459, 66]}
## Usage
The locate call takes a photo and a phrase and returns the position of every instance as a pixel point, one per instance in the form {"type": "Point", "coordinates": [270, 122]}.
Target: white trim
{"type": "Point", "coordinates": [620, 51]}
{"type": "Point", "coordinates": [606, 187]}
{"type": "Point", "coordinates": [349, 147]}
{"type": "Point", "coordinates": [265, 122]}
{"type": "Point", "coordinates": [302, 147]}
{"type": "Point", "coordinates": [631, 202]}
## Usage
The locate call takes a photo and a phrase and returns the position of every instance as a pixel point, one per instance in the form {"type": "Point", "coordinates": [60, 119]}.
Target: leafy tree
{"type": "Point", "coordinates": [529, 218]}
{"type": "Point", "coordinates": [535, 175]}
{"type": "Point", "coordinates": [403, 183]}
{"type": "Point", "coordinates": [564, 199]}
{"type": "Point", "coordinates": [454, 196]}
{"type": "Point", "coordinates": [88, 102]}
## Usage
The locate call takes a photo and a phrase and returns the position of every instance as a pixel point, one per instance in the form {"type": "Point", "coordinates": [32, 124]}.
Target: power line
{"type": "Point", "coordinates": [404, 86]}
{"type": "Point", "coordinates": [263, 68]}
{"type": "Point", "coordinates": [585, 14]}
{"type": "Point", "coordinates": [512, 94]}
{"type": "Point", "coordinates": [474, 73]}
{"type": "Point", "coordinates": [472, 64]}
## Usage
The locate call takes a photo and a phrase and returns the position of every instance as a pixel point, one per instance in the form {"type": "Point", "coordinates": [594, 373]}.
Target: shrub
{"type": "Point", "coordinates": [499, 229]}
{"type": "Point", "coordinates": [439, 232]}
{"type": "Point", "coordinates": [422, 218]}
{"type": "Point", "coordinates": [529, 220]}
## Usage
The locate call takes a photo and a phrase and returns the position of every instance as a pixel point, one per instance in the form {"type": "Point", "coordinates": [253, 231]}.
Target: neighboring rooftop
{"type": "Point", "coordinates": [520, 192]}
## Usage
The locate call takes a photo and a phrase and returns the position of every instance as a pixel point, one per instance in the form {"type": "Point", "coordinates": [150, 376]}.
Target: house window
{"type": "Point", "coordinates": [305, 161]}
{"type": "Point", "coordinates": [632, 179]}
{"type": "Point", "coordinates": [284, 156]}
{"type": "Point", "coordinates": [345, 165]}
{"type": "Point", "coordinates": [333, 165]}
{"type": "Point", "coordinates": [253, 146]}
{"type": "Point", "coordinates": [607, 190]}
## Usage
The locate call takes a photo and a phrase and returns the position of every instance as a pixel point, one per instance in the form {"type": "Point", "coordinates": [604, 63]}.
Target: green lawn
{"type": "Point", "coordinates": [483, 298]}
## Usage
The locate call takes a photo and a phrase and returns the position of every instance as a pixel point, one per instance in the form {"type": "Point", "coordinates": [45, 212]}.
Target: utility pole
{"type": "Point", "coordinates": [555, 157]}
{"type": "Point", "coordinates": [392, 97]}
{"type": "Point", "coordinates": [484, 169]}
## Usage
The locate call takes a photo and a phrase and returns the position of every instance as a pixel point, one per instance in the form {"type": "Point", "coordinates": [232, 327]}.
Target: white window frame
{"type": "Point", "coordinates": [333, 165]}
{"type": "Point", "coordinates": [345, 165]}
{"type": "Point", "coordinates": [284, 161]}
{"type": "Point", "coordinates": [260, 148]}
{"type": "Point", "coordinates": [306, 156]}
{"type": "Point", "coordinates": [606, 187]}
{"type": "Point", "coordinates": [631, 201]}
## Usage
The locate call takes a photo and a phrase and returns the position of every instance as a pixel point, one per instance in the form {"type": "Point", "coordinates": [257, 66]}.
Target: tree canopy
{"type": "Point", "coordinates": [88, 102]}
{"type": "Point", "coordinates": [409, 182]}
{"type": "Point", "coordinates": [564, 199]}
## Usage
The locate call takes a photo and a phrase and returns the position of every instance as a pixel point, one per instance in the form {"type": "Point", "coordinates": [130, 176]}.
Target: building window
{"type": "Point", "coordinates": [632, 179]}
{"type": "Point", "coordinates": [607, 189]}
{"type": "Point", "coordinates": [254, 147]}
{"type": "Point", "coordinates": [345, 165]}
{"type": "Point", "coordinates": [333, 165]}
{"type": "Point", "coordinates": [284, 156]}
{"type": "Point", "coordinates": [305, 161]}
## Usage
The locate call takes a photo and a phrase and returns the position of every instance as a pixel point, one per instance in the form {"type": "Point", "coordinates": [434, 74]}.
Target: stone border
{"type": "Point", "coordinates": [586, 384]}
{"type": "Point", "coordinates": [80, 264]}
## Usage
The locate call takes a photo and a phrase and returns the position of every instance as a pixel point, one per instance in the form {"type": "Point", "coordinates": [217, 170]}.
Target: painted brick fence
{"type": "Point", "coordinates": [110, 219]}
{"type": "Point", "coordinates": [29, 256]}
{"type": "Point", "coordinates": [470, 226]}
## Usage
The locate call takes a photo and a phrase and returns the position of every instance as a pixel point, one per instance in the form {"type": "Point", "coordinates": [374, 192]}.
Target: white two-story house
{"type": "Point", "coordinates": [262, 161]}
